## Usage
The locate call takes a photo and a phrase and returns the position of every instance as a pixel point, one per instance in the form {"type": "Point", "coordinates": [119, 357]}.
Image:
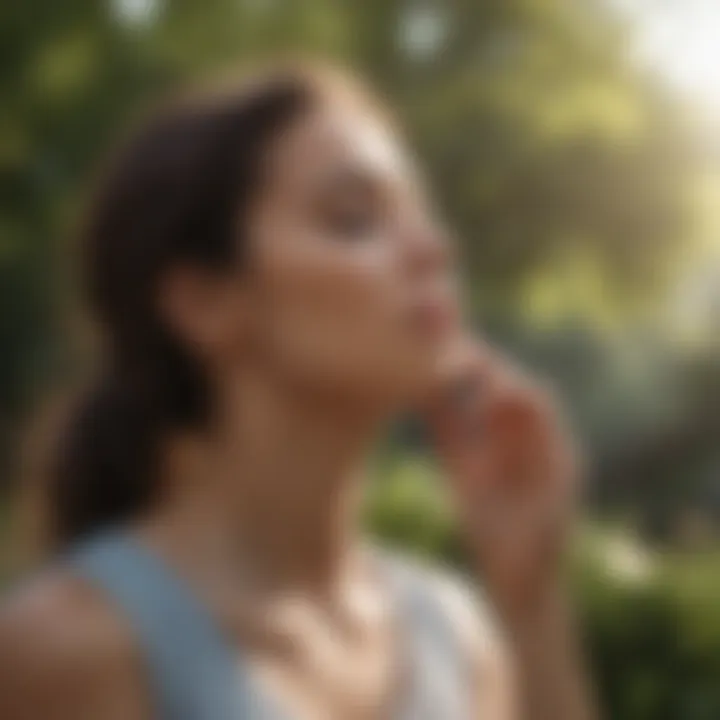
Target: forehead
{"type": "Point", "coordinates": [333, 140]}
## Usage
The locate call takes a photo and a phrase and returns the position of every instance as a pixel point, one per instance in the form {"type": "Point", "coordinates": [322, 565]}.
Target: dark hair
{"type": "Point", "coordinates": [177, 193]}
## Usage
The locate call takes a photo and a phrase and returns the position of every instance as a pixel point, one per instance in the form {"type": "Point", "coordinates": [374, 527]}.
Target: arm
{"type": "Point", "coordinates": [512, 471]}
{"type": "Point", "coordinates": [63, 656]}
{"type": "Point", "coordinates": [549, 664]}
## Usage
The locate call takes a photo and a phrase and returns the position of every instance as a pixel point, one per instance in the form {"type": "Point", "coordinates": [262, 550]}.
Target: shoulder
{"type": "Point", "coordinates": [64, 652]}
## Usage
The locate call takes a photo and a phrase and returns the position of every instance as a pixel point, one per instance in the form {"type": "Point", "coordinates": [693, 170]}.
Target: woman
{"type": "Point", "coordinates": [272, 288]}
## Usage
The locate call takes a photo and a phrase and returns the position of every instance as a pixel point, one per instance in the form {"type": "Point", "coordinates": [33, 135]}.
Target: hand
{"type": "Point", "coordinates": [512, 469]}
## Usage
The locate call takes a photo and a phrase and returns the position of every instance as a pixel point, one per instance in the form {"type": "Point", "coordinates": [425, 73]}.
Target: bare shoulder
{"type": "Point", "coordinates": [65, 653]}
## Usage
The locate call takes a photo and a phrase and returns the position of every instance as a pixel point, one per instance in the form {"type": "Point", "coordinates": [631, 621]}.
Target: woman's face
{"type": "Point", "coordinates": [349, 273]}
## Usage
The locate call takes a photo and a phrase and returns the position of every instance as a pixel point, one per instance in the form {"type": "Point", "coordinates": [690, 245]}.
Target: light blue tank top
{"type": "Point", "coordinates": [196, 674]}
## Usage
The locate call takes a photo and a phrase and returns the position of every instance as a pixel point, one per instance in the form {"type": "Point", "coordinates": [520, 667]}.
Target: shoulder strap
{"type": "Point", "coordinates": [194, 674]}
{"type": "Point", "coordinates": [441, 682]}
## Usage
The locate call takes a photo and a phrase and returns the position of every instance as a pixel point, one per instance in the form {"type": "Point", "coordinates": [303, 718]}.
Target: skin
{"type": "Point", "coordinates": [346, 315]}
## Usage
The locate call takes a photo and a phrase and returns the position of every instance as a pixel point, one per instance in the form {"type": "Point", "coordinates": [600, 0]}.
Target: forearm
{"type": "Point", "coordinates": [549, 664]}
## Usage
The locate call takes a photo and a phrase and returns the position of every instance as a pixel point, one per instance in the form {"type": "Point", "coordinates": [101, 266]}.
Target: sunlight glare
{"type": "Point", "coordinates": [680, 40]}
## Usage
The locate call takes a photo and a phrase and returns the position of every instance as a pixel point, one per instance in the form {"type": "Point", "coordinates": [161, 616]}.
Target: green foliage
{"type": "Point", "coordinates": [655, 642]}
{"type": "Point", "coordinates": [405, 508]}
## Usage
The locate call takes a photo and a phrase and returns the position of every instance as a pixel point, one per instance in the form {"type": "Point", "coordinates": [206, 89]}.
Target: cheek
{"type": "Point", "coordinates": [335, 312]}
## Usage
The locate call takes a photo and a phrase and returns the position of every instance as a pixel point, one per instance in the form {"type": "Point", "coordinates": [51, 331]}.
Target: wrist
{"type": "Point", "coordinates": [547, 609]}
{"type": "Point", "coordinates": [528, 606]}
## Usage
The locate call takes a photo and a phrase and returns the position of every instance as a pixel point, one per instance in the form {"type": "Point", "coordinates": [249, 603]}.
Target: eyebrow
{"type": "Point", "coordinates": [363, 180]}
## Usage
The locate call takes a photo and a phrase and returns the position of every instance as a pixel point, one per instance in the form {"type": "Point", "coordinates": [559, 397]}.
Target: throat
{"type": "Point", "coordinates": [271, 493]}
{"type": "Point", "coordinates": [271, 532]}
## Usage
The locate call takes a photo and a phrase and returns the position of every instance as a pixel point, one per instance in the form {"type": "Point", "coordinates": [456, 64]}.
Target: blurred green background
{"type": "Point", "coordinates": [585, 189]}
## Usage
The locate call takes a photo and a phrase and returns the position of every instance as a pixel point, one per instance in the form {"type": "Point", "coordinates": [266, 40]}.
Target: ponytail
{"type": "Point", "coordinates": [103, 462]}
{"type": "Point", "coordinates": [174, 196]}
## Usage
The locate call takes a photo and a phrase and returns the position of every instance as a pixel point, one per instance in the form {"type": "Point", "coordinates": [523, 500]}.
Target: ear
{"type": "Point", "coordinates": [204, 309]}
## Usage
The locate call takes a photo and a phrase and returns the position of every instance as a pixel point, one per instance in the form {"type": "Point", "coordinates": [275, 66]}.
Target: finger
{"type": "Point", "coordinates": [454, 413]}
{"type": "Point", "coordinates": [479, 376]}
{"type": "Point", "coordinates": [463, 361]}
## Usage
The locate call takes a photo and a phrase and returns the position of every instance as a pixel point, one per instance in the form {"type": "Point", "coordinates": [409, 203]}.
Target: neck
{"type": "Point", "coordinates": [274, 491]}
